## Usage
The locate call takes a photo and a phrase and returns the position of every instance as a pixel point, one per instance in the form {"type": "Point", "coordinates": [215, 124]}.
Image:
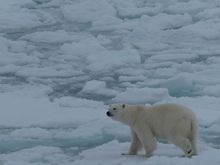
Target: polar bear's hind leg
{"type": "Point", "coordinates": [185, 145]}
{"type": "Point", "coordinates": [193, 137]}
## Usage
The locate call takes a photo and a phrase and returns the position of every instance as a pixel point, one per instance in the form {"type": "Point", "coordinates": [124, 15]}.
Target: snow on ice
{"type": "Point", "coordinates": [62, 62]}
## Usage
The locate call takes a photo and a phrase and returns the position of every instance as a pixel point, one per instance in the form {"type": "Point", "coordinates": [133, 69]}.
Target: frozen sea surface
{"type": "Point", "coordinates": [63, 61]}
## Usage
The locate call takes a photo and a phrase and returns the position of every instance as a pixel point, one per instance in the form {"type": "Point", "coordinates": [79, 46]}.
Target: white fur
{"type": "Point", "coordinates": [172, 122]}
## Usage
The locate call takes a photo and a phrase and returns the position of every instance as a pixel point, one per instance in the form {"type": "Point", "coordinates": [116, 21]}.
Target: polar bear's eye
{"type": "Point", "coordinates": [114, 108]}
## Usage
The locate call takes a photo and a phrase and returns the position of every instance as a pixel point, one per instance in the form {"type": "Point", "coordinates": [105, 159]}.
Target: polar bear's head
{"type": "Point", "coordinates": [116, 111]}
{"type": "Point", "coordinates": [124, 113]}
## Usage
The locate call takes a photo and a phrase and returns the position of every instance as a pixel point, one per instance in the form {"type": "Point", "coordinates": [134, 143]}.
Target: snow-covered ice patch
{"type": "Point", "coordinates": [37, 133]}
{"type": "Point", "coordinates": [111, 60]}
{"type": "Point", "coordinates": [87, 11]}
{"type": "Point", "coordinates": [46, 72]}
{"type": "Point", "coordinates": [110, 153]}
{"type": "Point", "coordinates": [82, 47]}
{"type": "Point", "coordinates": [59, 36]}
{"type": "Point", "coordinates": [40, 111]}
{"type": "Point", "coordinates": [141, 95]}
{"type": "Point", "coordinates": [173, 57]}
{"type": "Point", "coordinates": [166, 21]}
{"type": "Point", "coordinates": [78, 102]}
{"type": "Point", "coordinates": [17, 19]}
{"type": "Point", "coordinates": [213, 90]}
{"type": "Point", "coordinates": [38, 155]}
{"type": "Point", "coordinates": [98, 88]}
{"type": "Point", "coordinates": [131, 9]}
{"type": "Point", "coordinates": [181, 84]}
{"type": "Point", "coordinates": [190, 7]}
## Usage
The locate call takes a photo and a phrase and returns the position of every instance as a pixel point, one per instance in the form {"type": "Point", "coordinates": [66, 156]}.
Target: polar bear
{"type": "Point", "coordinates": [172, 122]}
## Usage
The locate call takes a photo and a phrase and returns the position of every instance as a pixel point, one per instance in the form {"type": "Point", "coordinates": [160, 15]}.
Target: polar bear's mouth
{"type": "Point", "coordinates": [109, 114]}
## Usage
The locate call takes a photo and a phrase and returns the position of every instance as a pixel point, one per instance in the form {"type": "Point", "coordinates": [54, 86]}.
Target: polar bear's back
{"type": "Point", "coordinates": [173, 111]}
{"type": "Point", "coordinates": [168, 118]}
{"type": "Point", "coordinates": [172, 108]}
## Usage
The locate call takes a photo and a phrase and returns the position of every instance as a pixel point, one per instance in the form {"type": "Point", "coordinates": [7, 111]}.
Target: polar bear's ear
{"type": "Point", "coordinates": [123, 106]}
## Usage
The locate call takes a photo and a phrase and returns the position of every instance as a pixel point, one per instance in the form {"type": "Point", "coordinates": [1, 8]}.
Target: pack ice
{"type": "Point", "coordinates": [62, 62]}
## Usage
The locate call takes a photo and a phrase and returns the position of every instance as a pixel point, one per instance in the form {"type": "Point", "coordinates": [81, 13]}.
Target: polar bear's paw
{"type": "Point", "coordinates": [187, 147]}
{"type": "Point", "coordinates": [128, 153]}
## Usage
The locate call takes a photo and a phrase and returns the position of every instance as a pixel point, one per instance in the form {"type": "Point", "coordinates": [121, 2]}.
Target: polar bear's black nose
{"type": "Point", "coordinates": [108, 114]}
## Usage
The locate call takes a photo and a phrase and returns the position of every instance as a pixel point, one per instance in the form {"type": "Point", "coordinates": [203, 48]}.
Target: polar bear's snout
{"type": "Point", "coordinates": [109, 114]}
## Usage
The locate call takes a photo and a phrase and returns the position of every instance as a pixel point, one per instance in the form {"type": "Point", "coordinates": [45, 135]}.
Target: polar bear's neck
{"type": "Point", "coordinates": [128, 119]}
{"type": "Point", "coordinates": [130, 114]}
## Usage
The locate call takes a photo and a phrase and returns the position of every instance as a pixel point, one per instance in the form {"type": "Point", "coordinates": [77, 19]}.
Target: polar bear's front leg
{"type": "Point", "coordinates": [147, 139]}
{"type": "Point", "coordinates": [135, 145]}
